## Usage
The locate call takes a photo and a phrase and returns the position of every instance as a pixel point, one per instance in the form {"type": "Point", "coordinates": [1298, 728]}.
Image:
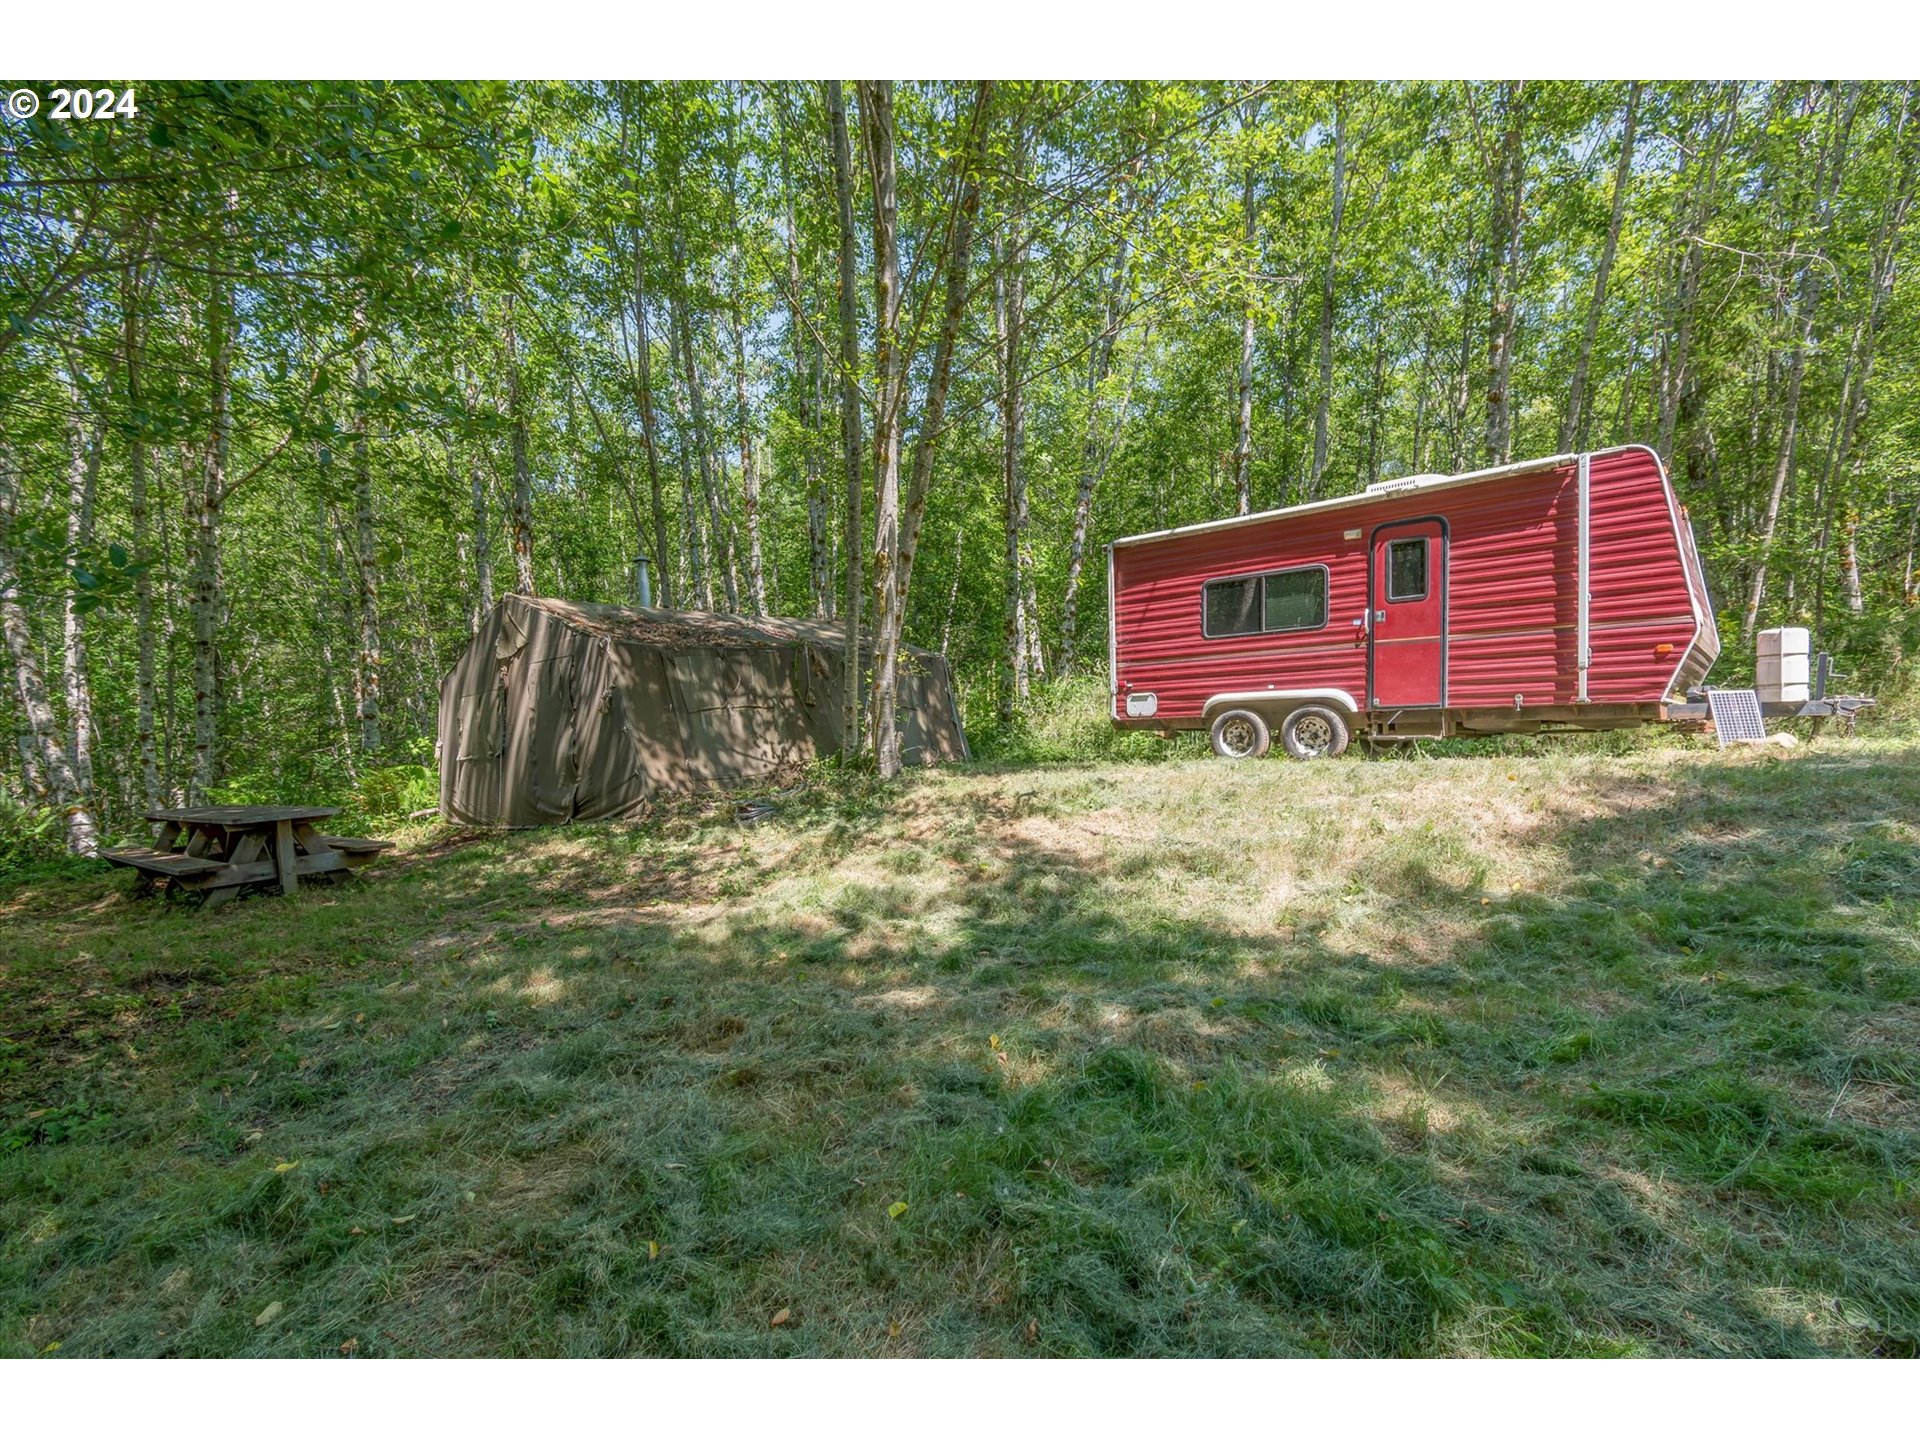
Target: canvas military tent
{"type": "Point", "coordinates": [559, 712]}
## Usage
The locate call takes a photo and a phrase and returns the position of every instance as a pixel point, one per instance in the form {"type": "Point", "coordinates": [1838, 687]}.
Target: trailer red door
{"type": "Point", "coordinates": [1407, 629]}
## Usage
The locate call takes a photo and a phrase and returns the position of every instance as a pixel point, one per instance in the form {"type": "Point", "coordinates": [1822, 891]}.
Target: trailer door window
{"type": "Point", "coordinates": [1407, 569]}
{"type": "Point", "coordinates": [1283, 600]}
{"type": "Point", "coordinates": [1233, 606]}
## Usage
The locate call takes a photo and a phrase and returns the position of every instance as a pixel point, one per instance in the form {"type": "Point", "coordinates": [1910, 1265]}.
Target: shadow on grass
{"type": "Point", "coordinates": [625, 1091]}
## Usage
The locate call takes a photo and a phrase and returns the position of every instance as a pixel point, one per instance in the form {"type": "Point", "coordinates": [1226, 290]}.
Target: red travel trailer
{"type": "Point", "coordinates": [1559, 593]}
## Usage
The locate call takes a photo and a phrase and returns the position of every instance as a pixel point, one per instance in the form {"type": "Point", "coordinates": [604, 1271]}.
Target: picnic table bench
{"type": "Point", "coordinates": [219, 850]}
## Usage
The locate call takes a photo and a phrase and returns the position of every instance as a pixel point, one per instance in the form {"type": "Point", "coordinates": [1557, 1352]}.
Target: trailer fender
{"type": "Point", "coordinates": [1277, 704]}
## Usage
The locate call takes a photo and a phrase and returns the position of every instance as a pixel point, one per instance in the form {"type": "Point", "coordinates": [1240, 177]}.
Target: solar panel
{"type": "Point", "coordinates": [1736, 715]}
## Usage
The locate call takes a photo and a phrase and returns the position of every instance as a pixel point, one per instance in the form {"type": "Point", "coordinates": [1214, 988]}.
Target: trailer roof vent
{"type": "Point", "coordinates": [1405, 482]}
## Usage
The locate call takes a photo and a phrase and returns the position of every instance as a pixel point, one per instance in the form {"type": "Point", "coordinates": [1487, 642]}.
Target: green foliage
{"type": "Point", "coordinates": [29, 837]}
{"type": "Point", "coordinates": [1066, 720]}
{"type": "Point", "coordinates": [391, 795]}
{"type": "Point", "coordinates": [437, 292]}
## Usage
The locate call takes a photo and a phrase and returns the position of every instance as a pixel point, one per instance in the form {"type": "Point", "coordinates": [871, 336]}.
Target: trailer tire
{"type": "Point", "coordinates": [1240, 735]}
{"type": "Point", "coordinates": [1314, 731]}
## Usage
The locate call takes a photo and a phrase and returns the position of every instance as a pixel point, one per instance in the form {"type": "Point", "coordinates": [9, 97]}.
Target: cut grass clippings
{"type": "Point", "coordinates": [1498, 1054]}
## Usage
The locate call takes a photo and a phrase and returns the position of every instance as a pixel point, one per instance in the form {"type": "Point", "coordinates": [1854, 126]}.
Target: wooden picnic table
{"type": "Point", "coordinates": [218, 850]}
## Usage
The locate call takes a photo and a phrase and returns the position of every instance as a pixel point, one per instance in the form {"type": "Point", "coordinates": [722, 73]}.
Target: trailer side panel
{"type": "Point", "coordinates": [1512, 569]}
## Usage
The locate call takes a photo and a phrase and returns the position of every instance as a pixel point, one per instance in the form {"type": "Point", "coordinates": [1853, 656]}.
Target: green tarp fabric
{"type": "Point", "coordinates": [560, 712]}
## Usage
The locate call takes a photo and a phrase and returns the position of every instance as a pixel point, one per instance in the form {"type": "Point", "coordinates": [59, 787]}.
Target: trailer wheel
{"type": "Point", "coordinates": [1313, 731]}
{"type": "Point", "coordinates": [1240, 735]}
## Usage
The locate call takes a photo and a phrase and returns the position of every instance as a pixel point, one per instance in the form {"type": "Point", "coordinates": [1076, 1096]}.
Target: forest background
{"type": "Point", "coordinates": [297, 378]}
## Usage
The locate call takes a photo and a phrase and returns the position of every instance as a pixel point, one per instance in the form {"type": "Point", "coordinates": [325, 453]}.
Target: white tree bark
{"type": "Point", "coordinates": [1509, 194]}
{"type": "Point", "coordinates": [138, 505]}
{"type": "Point", "coordinates": [743, 411]}
{"type": "Point", "coordinates": [1826, 185]}
{"type": "Point", "coordinates": [719, 559]}
{"type": "Point", "coordinates": [850, 426]}
{"type": "Point", "coordinates": [1323, 407]}
{"type": "Point", "coordinates": [366, 561]}
{"type": "Point", "coordinates": [204, 507]}
{"type": "Point", "coordinates": [521, 519]}
{"type": "Point", "coordinates": [876, 117]}
{"type": "Point", "coordinates": [933, 418]}
{"type": "Point", "coordinates": [1096, 451]}
{"type": "Point", "coordinates": [1678, 376]}
{"type": "Point", "coordinates": [83, 481]}
{"type": "Point", "coordinates": [809, 401]}
{"type": "Point", "coordinates": [1009, 313]}
{"type": "Point", "coordinates": [1573, 426]}
{"type": "Point", "coordinates": [643, 390]}
{"type": "Point", "coordinates": [48, 749]}
{"type": "Point", "coordinates": [1243, 432]}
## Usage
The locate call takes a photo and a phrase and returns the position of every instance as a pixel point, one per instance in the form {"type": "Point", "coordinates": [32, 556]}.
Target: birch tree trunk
{"type": "Point", "coordinates": [83, 481]}
{"type": "Point", "coordinates": [1009, 286]}
{"type": "Point", "coordinates": [1094, 455]}
{"type": "Point", "coordinates": [1323, 408]}
{"type": "Point", "coordinates": [1083, 514]}
{"type": "Point", "coordinates": [958, 258]}
{"type": "Point", "coordinates": [806, 394]}
{"type": "Point", "coordinates": [1883, 268]}
{"type": "Point", "coordinates": [876, 119]}
{"type": "Point", "coordinates": [649, 421]}
{"type": "Point", "coordinates": [643, 377]}
{"type": "Point", "coordinates": [1243, 441]}
{"type": "Point", "coordinates": [482, 539]}
{"type": "Point", "coordinates": [1573, 427]}
{"type": "Point", "coordinates": [749, 476]}
{"type": "Point", "coordinates": [33, 779]}
{"type": "Point", "coordinates": [1826, 185]}
{"type": "Point", "coordinates": [1030, 618]}
{"type": "Point", "coordinates": [144, 706]}
{"type": "Point", "coordinates": [953, 586]}
{"type": "Point", "coordinates": [1908, 591]}
{"type": "Point", "coordinates": [366, 563]}
{"type": "Point", "coordinates": [850, 427]}
{"type": "Point", "coordinates": [1677, 383]}
{"type": "Point", "coordinates": [521, 519]}
{"type": "Point", "coordinates": [699, 578]}
{"type": "Point", "coordinates": [743, 412]}
{"type": "Point", "coordinates": [718, 558]}
{"type": "Point", "coordinates": [1460, 397]}
{"type": "Point", "coordinates": [322, 628]}
{"type": "Point", "coordinates": [1509, 187]}
{"type": "Point", "coordinates": [47, 748]}
{"type": "Point", "coordinates": [204, 514]}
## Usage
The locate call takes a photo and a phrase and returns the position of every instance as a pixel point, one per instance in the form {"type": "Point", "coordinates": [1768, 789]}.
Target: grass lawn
{"type": "Point", "coordinates": [1564, 1054]}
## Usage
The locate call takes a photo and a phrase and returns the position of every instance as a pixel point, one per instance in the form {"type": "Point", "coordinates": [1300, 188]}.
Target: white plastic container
{"type": "Point", "coordinates": [1787, 640]}
{"type": "Point", "coordinates": [1782, 666]}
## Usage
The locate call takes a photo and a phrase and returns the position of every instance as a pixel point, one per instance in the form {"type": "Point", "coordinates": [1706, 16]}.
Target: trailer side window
{"type": "Point", "coordinates": [1407, 569]}
{"type": "Point", "coordinates": [1233, 606]}
{"type": "Point", "coordinates": [1297, 599]}
{"type": "Point", "coordinates": [1283, 600]}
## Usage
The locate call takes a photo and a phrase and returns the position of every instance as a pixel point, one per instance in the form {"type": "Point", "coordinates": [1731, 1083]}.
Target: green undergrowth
{"type": "Point", "coordinates": [1558, 1053]}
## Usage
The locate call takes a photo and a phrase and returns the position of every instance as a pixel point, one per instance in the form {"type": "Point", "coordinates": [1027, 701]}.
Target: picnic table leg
{"type": "Point", "coordinates": [283, 856]}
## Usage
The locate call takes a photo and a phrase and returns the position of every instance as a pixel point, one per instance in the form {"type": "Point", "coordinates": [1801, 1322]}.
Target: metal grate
{"type": "Point", "coordinates": [1736, 715]}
